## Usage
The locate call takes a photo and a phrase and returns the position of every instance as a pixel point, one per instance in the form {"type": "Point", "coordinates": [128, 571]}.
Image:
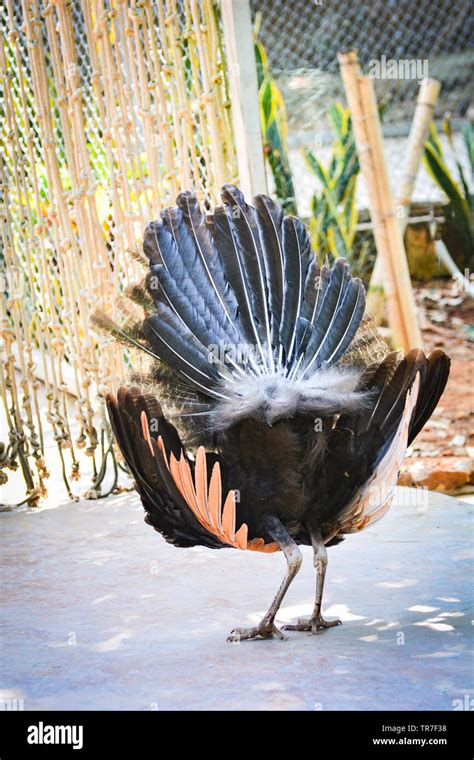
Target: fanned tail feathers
{"type": "Point", "coordinates": [239, 297]}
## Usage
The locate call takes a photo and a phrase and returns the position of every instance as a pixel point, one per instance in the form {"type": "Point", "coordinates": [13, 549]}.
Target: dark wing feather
{"type": "Point", "coordinates": [358, 443]}
{"type": "Point", "coordinates": [166, 510]}
{"type": "Point", "coordinates": [376, 375]}
{"type": "Point", "coordinates": [186, 500]}
{"type": "Point", "coordinates": [430, 391]}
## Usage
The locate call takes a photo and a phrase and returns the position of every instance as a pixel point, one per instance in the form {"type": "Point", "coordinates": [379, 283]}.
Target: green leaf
{"type": "Point", "coordinates": [440, 172]}
{"type": "Point", "coordinates": [335, 117]}
{"type": "Point", "coordinates": [315, 165]}
{"type": "Point", "coordinates": [337, 218]}
{"type": "Point", "coordinates": [433, 139]}
{"type": "Point", "coordinates": [274, 128]}
{"type": "Point", "coordinates": [459, 206]}
{"type": "Point", "coordinates": [336, 242]}
{"type": "Point", "coordinates": [468, 137]}
{"type": "Point", "coordinates": [334, 210]}
{"type": "Point", "coordinates": [267, 106]}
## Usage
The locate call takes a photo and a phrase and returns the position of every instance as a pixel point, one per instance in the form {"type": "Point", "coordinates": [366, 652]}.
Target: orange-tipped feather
{"type": "Point", "coordinates": [200, 478]}
{"type": "Point", "coordinates": [215, 496]}
{"type": "Point", "coordinates": [206, 504]}
{"type": "Point", "coordinates": [241, 537]}
{"type": "Point", "coordinates": [146, 432]}
{"type": "Point", "coordinates": [228, 516]}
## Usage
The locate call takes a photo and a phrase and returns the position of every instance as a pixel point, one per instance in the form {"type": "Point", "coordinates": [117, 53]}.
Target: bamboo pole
{"type": "Point", "coordinates": [396, 264]}
{"type": "Point", "coordinates": [427, 98]}
{"type": "Point", "coordinates": [388, 238]}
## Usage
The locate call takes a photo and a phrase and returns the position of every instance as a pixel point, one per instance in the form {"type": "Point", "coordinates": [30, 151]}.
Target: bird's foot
{"type": "Point", "coordinates": [263, 630]}
{"type": "Point", "coordinates": [312, 624]}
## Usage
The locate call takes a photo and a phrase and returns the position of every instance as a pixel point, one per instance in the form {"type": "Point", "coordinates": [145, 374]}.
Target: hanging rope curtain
{"type": "Point", "coordinates": [108, 110]}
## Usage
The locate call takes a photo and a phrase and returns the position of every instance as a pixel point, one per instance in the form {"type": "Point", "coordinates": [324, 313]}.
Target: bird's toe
{"type": "Point", "coordinates": [320, 624]}
{"type": "Point", "coordinates": [311, 625]}
{"type": "Point", "coordinates": [303, 624]}
{"type": "Point", "coordinates": [263, 631]}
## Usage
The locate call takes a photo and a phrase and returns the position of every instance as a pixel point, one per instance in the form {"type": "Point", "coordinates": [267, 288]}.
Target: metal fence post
{"type": "Point", "coordinates": [243, 91]}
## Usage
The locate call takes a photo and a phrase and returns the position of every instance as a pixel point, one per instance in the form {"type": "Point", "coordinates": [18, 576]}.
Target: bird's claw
{"type": "Point", "coordinates": [312, 625]}
{"type": "Point", "coordinates": [263, 630]}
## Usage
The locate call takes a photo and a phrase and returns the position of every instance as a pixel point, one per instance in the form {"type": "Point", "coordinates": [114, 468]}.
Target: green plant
{"type": "Point", "coordinates": [460, 209]}
{"type": "Point", "coordinates": [334, 212]}
{"type": "Point", "coordinates": [274, 126]}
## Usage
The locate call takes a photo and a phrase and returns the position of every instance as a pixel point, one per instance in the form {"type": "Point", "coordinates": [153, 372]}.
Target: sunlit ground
{"type": "Point", "coordinates": [101, 613]}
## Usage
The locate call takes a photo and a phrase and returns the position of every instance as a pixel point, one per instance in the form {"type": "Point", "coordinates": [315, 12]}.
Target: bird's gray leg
{"type": "Point", "coordinates": [267, 628]}
{"type": "Point", "coordinates": [316, 622]}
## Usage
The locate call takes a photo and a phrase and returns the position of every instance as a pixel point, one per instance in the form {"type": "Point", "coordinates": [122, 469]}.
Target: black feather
{"type": "Point", "coordinates": [297, 257]}
{"type": "Point", "coordinates": [358, 443]}
{"type": "Point", "coordinates": [176, 345]}
{"type": "Point", "coordinates": [269, 219]}
{"type": "Point", "coordinates": [242, 221]}
{"type": "Point", "coordinates": [317, 280]}
{"type": "Point", "coordinates": [151, 246]}
{"type": "Point", "coordinates": [329, 314]}
{"type": "Point", "coordinates": [235, 274]}
{"type": "Point", "coordinates": [431, 390]}
{"type": "Point", "coordinates": [351, 311]}
{"type": "Point", "coordinates": [186, 300]}
{"type": "Point", "coordinates": [206, 250]}
{"type": "Point", "coordinates": [187, 267]}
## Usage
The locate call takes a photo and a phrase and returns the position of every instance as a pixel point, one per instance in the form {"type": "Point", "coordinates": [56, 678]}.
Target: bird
{"type": "Point", "coordinates": [271, 414]}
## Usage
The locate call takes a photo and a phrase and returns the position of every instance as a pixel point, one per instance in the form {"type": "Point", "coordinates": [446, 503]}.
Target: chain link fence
{"type": "Point", "coordinates": [399, 43]}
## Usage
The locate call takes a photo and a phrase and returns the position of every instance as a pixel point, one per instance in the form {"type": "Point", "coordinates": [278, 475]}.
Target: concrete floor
{"type": "Point", "coordinates": [100, 613]}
